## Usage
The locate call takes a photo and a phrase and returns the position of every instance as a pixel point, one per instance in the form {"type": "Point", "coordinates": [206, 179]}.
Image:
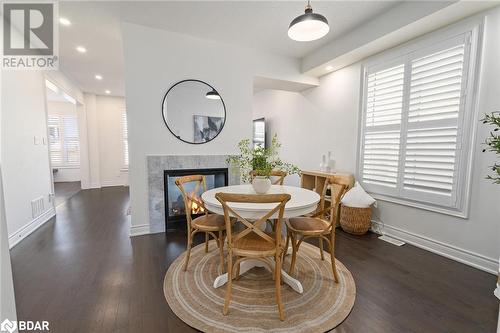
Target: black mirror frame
{"type": "Point", "coordinates": [165, 121]}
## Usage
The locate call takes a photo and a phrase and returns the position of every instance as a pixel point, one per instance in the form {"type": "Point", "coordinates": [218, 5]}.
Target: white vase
{"type": "Point", "coordinates": [261, 184]}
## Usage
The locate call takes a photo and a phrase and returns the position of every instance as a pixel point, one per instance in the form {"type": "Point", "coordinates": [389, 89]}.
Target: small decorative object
{"type": "Point", "coordinates": [261, 184]}
{"type": "Point", "coordinates": [322, 165]}
{"type": "Point", "coordinates": [493, 143]}
{"type": "Point", "coordinates": [356, 211]}
{"type": "Point", "coordinates": [330, 162]}
{"type": "Point", "coordinates": [262, 161]}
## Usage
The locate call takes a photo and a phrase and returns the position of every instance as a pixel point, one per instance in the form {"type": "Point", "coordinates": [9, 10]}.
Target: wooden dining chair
{"type": "Point", "coordinates": [320, 225]}
{"type": "Point", "coordinates": [253, 243]}
{"type": "Point", "coordinates": [210, 224]}
{"type": "Point", "coordinates": [280, 176]}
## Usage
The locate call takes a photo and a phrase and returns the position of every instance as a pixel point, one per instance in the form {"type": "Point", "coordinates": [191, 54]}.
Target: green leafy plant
{"type": "Point", "coordinates": [261, 160]}
{"type": "Point", "coordinates": [493, 143]}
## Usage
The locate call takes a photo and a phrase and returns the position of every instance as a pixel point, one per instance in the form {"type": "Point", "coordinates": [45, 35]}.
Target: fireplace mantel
{"type": "Point", "coordinates": [157, 164]}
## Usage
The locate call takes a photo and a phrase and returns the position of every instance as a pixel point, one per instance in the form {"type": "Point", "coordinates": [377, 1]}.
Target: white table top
{"type": "Point", "coordinates": [303, 201]}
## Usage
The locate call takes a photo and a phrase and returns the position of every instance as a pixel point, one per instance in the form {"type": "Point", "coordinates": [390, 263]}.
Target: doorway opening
{"type": "Point", "coordinates": [64, 143]}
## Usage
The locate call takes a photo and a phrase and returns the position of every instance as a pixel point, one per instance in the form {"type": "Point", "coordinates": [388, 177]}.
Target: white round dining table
{"type": "Point", "coordinates": [302, 201]}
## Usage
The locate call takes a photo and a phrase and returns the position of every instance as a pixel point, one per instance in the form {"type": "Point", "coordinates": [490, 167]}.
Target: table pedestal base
{"type": "Point", "coordinates": [247, 265]}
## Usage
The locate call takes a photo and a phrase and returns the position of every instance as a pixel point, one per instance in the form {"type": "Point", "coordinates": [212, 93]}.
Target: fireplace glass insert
{"type": "Point", "coordinates": [175, 213]}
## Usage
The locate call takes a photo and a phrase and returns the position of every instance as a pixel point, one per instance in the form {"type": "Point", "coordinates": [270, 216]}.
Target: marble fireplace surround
{"type": "Point", "coordinates": [157, 164]}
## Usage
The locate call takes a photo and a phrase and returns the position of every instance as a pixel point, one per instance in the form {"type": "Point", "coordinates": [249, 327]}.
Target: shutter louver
{"type": "Point", "coordinates": [381, 144]}
{"type": "Point", "coordinates": [55, 142]}
{"type": "Point", "coordinates": [435, 100]}
{"type": "Point", "coordinates": [71, 140]}
{"type": "Point", "coordinates": [430, 160]}
{"type": "Point", "coordinates": [125, 138]}
{"type": "Point", "coordinates": [381, 158]}
{"type": "Point", "coordinates": [385, 97]}
{"type": "Point", "coordinates": [436, 82]}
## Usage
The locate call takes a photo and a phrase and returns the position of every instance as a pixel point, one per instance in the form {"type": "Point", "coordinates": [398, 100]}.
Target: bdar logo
{"type": "Point", "coordinates": [8, 326]}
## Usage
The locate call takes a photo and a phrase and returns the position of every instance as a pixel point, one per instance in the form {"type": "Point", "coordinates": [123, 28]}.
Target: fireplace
{"type": "Point", "coordinates": [175, 213]}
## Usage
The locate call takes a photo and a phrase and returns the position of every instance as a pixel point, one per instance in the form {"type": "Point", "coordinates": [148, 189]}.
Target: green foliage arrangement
{"type": "Point", "coordinates": [262, 160]}
{"type": "Point", "coordinates": [493, 143]}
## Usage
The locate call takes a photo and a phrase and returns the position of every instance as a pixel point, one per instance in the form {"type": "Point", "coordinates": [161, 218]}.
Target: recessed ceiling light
{"type": "Point", "coordinates": [81, 49]}
{"type": "Point", "coordinates": [329, 67]}
{"type": "Point", "coordinates": [107, 92]}
{"type": "Point", "coordinates": [98, 77]}
{"type": "Point", "coordinates": [64, 21]}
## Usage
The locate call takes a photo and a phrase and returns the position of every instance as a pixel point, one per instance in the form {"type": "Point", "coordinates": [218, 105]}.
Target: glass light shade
{"type": "Point", "coordinates": [307, 27]}
{"type": "Point", "coordinates": [212, 95]}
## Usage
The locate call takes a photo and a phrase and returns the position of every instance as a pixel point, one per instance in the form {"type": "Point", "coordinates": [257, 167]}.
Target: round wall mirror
{"type": "Point", "coordinates": [194, 111]}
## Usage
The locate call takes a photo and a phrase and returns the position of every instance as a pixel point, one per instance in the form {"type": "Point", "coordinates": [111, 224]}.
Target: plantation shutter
{"type": "Point", "coordinates": [381, 142]}
{"type": "Point", "coordinates": [64, 140]}
{"type": "Point", "coordinates": [125, 138]}
{"type": "Point", "coordinates": [435, 102]}
{"type": "Point", "coordinates": [71, 140]}
{"type": "Point", "coordinates": [414, 126]}
{"type": "Point", "coordinates": [55, 141]}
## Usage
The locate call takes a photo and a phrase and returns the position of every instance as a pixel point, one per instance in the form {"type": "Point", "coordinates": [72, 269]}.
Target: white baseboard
{"type": "Point", "coordinates": [467, 257]}
{"type": "Point", "coordinates": [109, 183]}
{"type": "Point", "coordinates": [94, 185]}
{"type": "Point", "coordinates": [26, 230]}
{"type": "Point", "coordinates": [138, 230]}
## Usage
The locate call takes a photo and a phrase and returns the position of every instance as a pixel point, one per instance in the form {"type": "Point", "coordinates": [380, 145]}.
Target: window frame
{"type": "Point", "coordinates": [471, 31]}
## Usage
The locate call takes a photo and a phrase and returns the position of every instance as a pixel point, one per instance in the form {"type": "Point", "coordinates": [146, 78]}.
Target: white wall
{"type": "Point", "coordinates": [311, 123]}
{"type": "Point", "coordinates": [156, 59]}
{"type": "Point", "coordinates": [325, 118]}
{"type": "Point", "coordinates": [7, 299]}
{"type": "Point", "coordinates": [111, 161]}
{"type": "Point", "coordinates": [25, 158]}
{"type": "Point", "coordinates": [64, 174]}
{"type": "Point", "coordinates": [104, 140]}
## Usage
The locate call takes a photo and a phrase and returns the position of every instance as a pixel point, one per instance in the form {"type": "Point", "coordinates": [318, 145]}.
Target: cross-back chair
{"type": "Point", "coordinates": [253, 243]}
{"type": "Point", "coordinates": [320, 225]}
{"type": "Point", "coordinates": [280, 176]}
{"type": "Point", "coordinates": [210, 224]}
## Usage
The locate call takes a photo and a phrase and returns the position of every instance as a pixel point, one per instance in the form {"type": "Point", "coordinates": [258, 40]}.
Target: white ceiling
{"type": "Point", "coordinates": [257, 24]}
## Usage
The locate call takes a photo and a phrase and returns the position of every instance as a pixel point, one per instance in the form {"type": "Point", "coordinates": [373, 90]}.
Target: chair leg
{"type": "Point", "coordinates": [220, 242]}
{"type": "Point", "coordinates": [278, 286]}
{"type": "Point", "coordinates": [229, 282]}
{"type": "Point", "coordinates": [238, 269]}
{"type": "Point", "coordinates": [321, 248]}
{"type": "Point", "coordinates": [206, 242]}
{"type": "Point", "coordinates": [332, 256]}
{"type": "Point", "coordinates": [294, 252]}
{"type": "Point", "coordinates": [188, 250]}
{"type": "Point", "coordinates": [285, 249]}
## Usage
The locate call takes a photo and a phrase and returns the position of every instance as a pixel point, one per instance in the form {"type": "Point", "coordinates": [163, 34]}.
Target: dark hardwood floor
{"type": "Point", "coordinates": [83, 273]}
{"type": "Point", "coordinates": [65, 190]}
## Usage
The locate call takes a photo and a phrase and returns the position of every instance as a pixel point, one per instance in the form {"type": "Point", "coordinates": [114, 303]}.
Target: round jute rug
{"type": "Point", "coordinates": [322, 306]}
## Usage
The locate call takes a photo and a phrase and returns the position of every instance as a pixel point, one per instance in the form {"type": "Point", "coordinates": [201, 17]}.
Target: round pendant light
{"type": "Point", "coordinates": [212, 94]}
{"type": "Point", "coordinates": [308, 26]}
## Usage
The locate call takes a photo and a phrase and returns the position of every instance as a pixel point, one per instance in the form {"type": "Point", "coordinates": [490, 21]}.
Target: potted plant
{"type": "Point", "coordinates": [493, 143]}
{"type": "Point", "coordinates": [261, 161]}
